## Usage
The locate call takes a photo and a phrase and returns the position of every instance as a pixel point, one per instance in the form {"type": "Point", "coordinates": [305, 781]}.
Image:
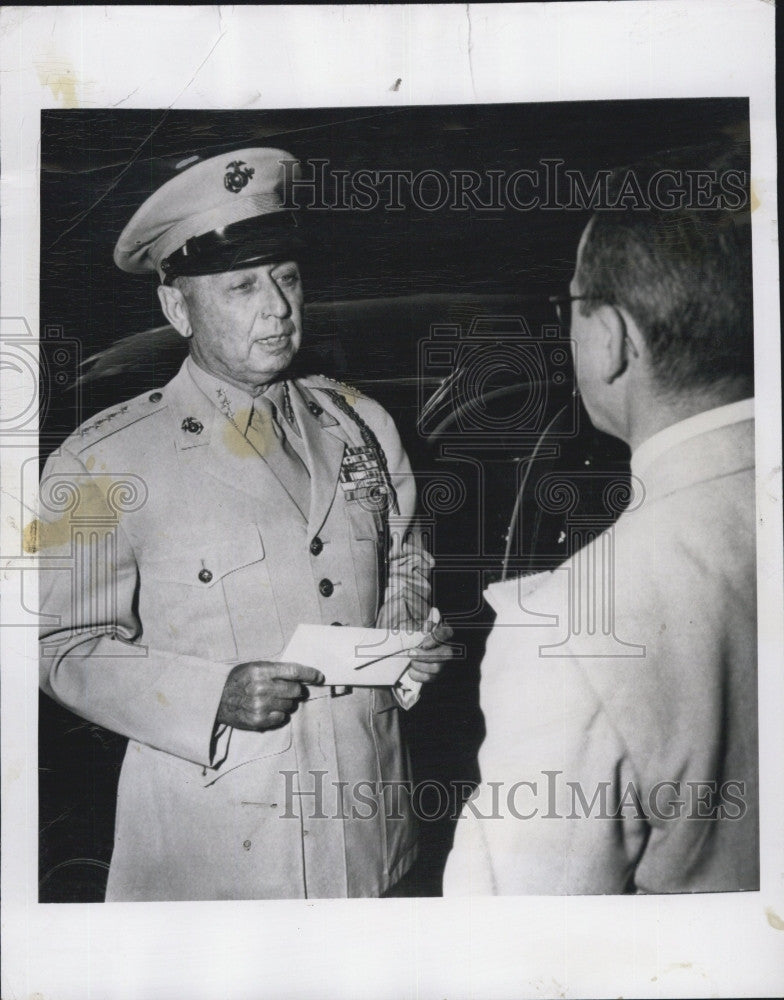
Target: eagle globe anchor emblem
{"type": "Point", "coordinates": [237, 176]}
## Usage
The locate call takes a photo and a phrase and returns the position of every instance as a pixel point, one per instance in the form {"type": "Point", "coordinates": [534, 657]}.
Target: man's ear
{"type": "Point", "coordinates": [614, 358]}
{"type": "Point", "coordinates": [175, 309]}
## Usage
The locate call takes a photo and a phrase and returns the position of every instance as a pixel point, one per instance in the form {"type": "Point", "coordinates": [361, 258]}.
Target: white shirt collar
{"type": "Point", "coordinates": [720, 416]}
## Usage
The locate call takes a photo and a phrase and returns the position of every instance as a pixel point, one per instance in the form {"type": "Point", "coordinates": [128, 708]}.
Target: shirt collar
{"type": "Point", "coordinates": [720, 416]}
{"type": "Point", "coordinates": [237, 404]}
{"type": "Point", "coordinates": [234, 403]}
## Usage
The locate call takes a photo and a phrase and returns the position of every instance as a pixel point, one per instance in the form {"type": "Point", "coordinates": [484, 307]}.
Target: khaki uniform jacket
{"type": "Point", "coordinates": [181, 555]}
{"type": "Point", "coordinates": [641, 698]}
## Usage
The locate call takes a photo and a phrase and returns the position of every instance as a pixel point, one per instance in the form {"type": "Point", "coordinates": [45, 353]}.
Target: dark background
{"type": "Point", "coordinates": [376, 288]}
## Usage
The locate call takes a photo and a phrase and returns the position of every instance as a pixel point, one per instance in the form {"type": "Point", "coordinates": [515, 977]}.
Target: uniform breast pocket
{"type": "Point", "coordinates": [208, 596]}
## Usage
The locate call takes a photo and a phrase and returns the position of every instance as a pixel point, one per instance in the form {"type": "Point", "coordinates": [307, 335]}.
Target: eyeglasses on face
{"type": "Point", "coordinates": [563, 307]}
{"type": "Point", "coordinates": [563, 312]}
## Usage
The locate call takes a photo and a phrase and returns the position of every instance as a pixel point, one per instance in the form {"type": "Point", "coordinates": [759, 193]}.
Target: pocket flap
{"type": "Point", "coordinates": [201, 561]}
{"type": "Point", "coordinates": [245, 747]}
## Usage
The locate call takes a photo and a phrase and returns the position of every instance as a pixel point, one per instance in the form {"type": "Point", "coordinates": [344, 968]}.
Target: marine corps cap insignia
{"type": "Point", "coordinates": [236, 177]}
{"type": "Point", "coordinates": [192, 425]}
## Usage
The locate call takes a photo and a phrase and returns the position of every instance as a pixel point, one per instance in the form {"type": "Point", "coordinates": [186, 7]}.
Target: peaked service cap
{"type": "Point", "coordinates": [216, 215]}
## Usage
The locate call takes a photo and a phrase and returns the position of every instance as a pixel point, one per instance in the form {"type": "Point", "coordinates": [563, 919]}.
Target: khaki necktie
{"type": "Point", "coordinates": [267, 436]}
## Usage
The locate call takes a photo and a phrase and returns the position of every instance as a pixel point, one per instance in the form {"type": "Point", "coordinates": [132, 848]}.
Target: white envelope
{"type": "Point", "coordinates": [360, 657]}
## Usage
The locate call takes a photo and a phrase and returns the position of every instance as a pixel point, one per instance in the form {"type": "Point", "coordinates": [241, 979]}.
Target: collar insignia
{"type": "Point", "coordinates": [192, 426]}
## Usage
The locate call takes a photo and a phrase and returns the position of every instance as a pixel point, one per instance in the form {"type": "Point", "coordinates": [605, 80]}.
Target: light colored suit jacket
{"type": "Point", "coordinates": [622, 722]}
{"type": "Point", "coordinates": [174, 553]}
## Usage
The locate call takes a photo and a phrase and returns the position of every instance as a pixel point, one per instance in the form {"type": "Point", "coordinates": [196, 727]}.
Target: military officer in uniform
{"type": "Point", "coordinates": [197, 526]}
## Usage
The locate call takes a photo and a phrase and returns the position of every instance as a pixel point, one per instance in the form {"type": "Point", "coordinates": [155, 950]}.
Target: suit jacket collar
{"type": "Point", "coordinates": [701, 458]}
{"type": "Point", "coordinates": [325, 442]}
{"type": "Point", "coordinates": [209, 443]}
{"type": "Point", "coordinates": [699, 423]}
{"type": "Point", "coordinates": [195, 419]}
{"type": "Point", "coordinates": [205, 437]}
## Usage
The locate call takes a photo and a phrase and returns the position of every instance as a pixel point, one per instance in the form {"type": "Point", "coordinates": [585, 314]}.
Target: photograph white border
{"type": "Point", "coordinates": [214, 57]}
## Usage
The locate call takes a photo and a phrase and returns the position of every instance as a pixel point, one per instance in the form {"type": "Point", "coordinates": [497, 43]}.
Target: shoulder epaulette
{"type": "Point", "coordinates": [342, 386]}
{"type": "Point", "coordinates": [117, 418]}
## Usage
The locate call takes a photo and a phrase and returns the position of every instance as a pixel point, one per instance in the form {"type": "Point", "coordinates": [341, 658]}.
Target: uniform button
{"type": "Point", "coordinates": [205, 576]}
{"type": "Point", "coordinates": [316, 546]}
{"type": "Point", "coordinates": [156, 397]}
{"type": "Point", "coordinates": [246, 844]}
{"type": "Point", "coordinates": [339, 624]}
{"type": "Point", "coordinates": [326, 587]}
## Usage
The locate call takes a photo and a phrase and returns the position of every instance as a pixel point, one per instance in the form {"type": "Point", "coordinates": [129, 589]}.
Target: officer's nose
{"type": "Point", "coordinates": [272, 301]}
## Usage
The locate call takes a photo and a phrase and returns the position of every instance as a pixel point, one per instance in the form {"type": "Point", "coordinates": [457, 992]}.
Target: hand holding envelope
{"type": "Point", "coordinates": [429, 657]}
{"type": "Point", "coordinates": [368, 656]}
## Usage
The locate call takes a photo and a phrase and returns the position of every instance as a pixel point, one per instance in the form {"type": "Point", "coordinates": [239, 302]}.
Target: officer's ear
{"type": "Point", "coordinates": [175, 309]}
{"type": "Point", "coordinates": [617, 335]}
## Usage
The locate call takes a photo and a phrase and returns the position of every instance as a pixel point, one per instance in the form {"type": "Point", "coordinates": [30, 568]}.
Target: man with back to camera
{"type": "Point", "coordinates": [622, 727]}
{"type": "Point", "coordinates": [199, 525]}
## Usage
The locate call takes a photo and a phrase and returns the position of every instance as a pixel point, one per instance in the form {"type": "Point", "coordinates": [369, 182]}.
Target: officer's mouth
{"type": "Point", "coordinates": [275, 343]}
